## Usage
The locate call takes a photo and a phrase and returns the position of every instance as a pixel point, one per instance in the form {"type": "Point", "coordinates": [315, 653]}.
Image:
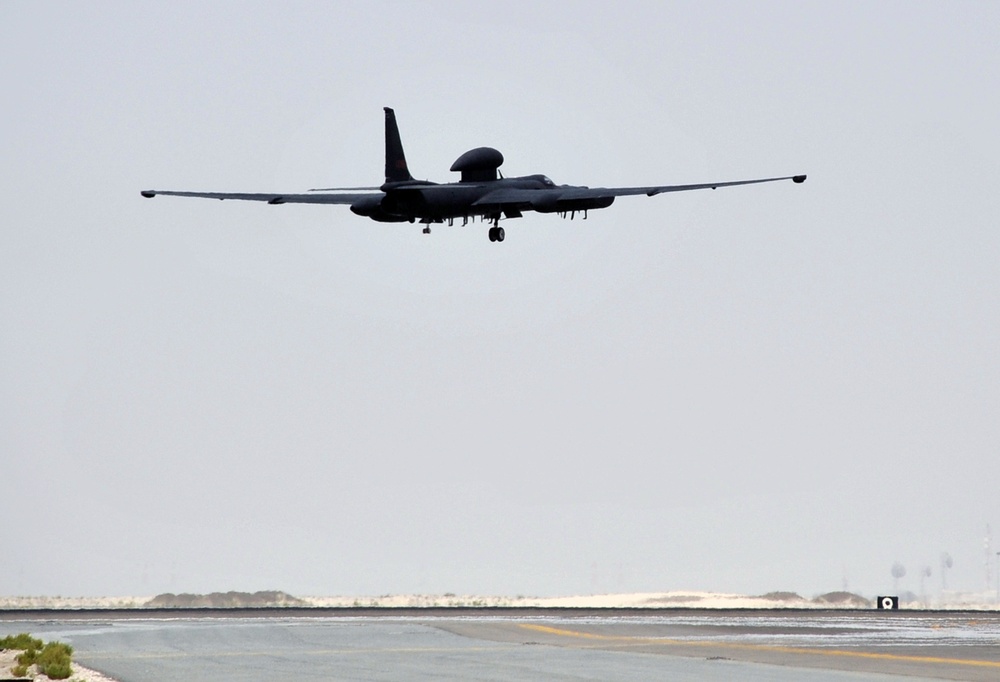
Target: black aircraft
{"type": "Point", "coordinates": [481, 193]}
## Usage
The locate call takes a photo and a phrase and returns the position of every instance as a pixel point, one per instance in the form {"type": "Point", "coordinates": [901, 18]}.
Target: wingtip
{"type": "Point", "coordinates": [148, 193]}
{"type": "Point", "coordinates": [799, 179]}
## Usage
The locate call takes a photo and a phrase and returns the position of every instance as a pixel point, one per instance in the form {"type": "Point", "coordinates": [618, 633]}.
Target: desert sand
{"type": "Point", "coordinates": [672, 599]}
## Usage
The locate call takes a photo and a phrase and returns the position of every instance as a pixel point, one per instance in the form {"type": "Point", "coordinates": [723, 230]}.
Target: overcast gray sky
{"type": "Point", "coordinates": [760, 388]}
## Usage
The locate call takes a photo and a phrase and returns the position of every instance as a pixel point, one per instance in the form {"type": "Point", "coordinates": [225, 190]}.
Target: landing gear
{"type": "Point", "coordinates": [427, 230]}
{"type": "Point", "coordinates": [496, 232]}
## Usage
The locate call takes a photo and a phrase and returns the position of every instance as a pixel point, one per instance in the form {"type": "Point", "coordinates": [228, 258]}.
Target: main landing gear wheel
{"type": "Point", "coordinates": [496, 234]}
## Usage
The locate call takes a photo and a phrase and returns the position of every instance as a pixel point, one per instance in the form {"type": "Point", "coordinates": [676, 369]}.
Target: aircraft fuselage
{"type": "Point", "coordinates": [428, 202]}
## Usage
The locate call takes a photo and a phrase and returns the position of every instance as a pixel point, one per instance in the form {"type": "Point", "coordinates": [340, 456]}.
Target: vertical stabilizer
{"type": "Point", "coordinates": [395, 160]}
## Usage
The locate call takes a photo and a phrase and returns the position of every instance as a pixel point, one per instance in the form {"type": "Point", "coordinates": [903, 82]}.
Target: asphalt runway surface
{"type": "Point", "coordinates": [609, 645]}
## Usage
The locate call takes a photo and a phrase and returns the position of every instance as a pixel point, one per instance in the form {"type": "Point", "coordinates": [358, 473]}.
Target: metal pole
{"type": "Point", "coordinates": [998, 577]}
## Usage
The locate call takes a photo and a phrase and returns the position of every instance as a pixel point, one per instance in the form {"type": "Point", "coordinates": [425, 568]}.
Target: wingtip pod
{"type": "Point", "coordinates": [799, 179]}
{"type": "Point", "coordinates": [148, 193]}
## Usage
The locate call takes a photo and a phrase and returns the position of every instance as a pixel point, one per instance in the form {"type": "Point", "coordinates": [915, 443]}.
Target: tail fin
{"type": "Point", "coordinates": [395, 160]}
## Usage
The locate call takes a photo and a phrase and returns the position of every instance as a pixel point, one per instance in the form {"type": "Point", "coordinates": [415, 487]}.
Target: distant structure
{"type": "Point", "coordinates": [987, 541]}
{"type": "Point", "coordinates": [946, 563]}
{"type": "Point", "coordinates": [898, 571]}
{"type": "Point", "coordinates": [925, 573]}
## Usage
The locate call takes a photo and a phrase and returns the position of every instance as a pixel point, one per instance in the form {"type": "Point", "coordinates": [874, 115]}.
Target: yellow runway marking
{"type": "Point", "coordinates": [756, 647]}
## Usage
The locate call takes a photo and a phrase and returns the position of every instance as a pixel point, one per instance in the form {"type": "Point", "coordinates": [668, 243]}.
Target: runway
{"type": "Point", "coordinates": [931, 645]}
{"type": "Point", "coordinates": [774, 646]}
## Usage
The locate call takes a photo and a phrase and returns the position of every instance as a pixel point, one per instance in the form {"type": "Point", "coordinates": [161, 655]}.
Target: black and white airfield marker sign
{"type": "Point", "coordinates": [887, 603]}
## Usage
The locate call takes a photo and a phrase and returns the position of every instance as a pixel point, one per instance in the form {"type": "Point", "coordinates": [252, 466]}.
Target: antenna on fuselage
{"type": "Point", "coordinates": [481, 164]}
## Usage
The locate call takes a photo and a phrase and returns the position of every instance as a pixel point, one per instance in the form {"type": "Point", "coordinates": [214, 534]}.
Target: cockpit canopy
{"type": "Point", "coordinates": [479, 164]}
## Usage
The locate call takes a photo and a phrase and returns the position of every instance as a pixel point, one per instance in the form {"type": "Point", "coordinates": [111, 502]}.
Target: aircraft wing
{"type": "Point", "coordinates": [272, 198]}
{"type": "Point", "coordinates": [569, 193]}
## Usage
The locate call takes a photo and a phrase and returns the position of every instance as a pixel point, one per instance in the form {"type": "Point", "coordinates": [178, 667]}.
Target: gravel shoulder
{"type": "Point", "coordinates": [8, 659]}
